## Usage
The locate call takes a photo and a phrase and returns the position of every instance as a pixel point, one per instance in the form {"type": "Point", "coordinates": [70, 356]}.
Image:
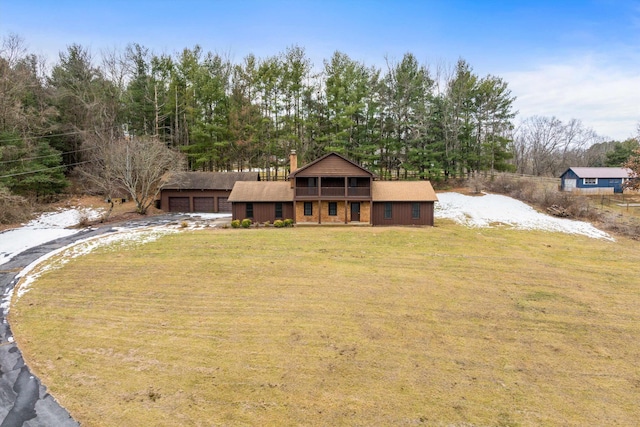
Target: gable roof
{"type": "Point", "coordinates": [208, 180]}
{"type": "Point", "coordinates": [402, 191]}
{"type": "Point", "coordinates": [599, 172]}
{"type": "Point", "coordinates": [326, 159]}
{"type": "Point", "coordinates": [265, 191]}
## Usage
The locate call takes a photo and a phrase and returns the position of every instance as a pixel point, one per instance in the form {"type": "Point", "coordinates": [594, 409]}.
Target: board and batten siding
{"type": "Point", "coordinates": [402, 214]}
{"type": "Point", "coordinates": [333, 166]}
{"type": "Point", "coordinates": [262, 211]}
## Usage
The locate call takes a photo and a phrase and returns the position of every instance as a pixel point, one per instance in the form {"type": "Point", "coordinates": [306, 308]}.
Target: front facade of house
{"type": "Point", "coordinates": [594, 180]}
{"type": "Point", "coordinates": [335, 190]}
{"type": "Point", "coordinates": [332, 189]}
{"type": "Point", "coordinates": [201, 191]}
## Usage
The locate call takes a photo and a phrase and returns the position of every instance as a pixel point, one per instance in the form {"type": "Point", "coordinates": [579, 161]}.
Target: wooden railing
{"type": "Point", "coordinates": [360, 192]}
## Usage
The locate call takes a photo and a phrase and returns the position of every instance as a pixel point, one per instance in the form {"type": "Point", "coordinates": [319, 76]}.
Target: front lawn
{"type": "Point", "coordinates": [341, 326]}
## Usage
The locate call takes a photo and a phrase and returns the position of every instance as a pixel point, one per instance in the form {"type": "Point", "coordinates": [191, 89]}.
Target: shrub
{"type": "Point", "coordinates": [288, 222]}
{"type": "Point", "coordinates": [235, 223]}
{"type": "Point", "coordinates": [278, 223]}
{"type": "Point", "coordinates": [13, 209]}
{"type": "Point", "coordinates": [266, 223]}
{"type": "Point", "coordinates": [246, 223]}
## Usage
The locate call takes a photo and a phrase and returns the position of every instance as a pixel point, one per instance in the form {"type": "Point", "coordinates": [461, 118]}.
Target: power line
{"type": "Point", "coordinates": [44, 157]}
{"type": "Point", "coordinates": [52, 135]}
{"type": "Point", "coordinates": [43, 170]}
{"type": "Point", "coordinates": [42, 136]}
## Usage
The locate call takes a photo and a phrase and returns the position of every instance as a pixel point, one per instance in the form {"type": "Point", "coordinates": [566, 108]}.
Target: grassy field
{"type": "Point", "coordinates": [342, 326]}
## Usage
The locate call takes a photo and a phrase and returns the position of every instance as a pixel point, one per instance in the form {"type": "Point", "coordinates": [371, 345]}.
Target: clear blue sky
{"type": "Point", "coordinates": [569, 59]}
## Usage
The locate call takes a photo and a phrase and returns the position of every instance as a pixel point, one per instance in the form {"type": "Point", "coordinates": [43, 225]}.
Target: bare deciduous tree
{"type": "Point", "coordinates": [547, 146]}
{"type": "Point", "coordinates": [138, 167]}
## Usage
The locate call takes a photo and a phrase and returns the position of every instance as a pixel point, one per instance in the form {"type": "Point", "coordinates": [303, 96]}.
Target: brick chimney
{"type": "Point", "coordinates": [293, 161]}
{"type": "Point", "coordinates": [293, 165]}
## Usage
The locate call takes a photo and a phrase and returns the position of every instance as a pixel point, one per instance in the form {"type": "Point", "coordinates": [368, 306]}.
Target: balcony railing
{"type": "Point", "coordinates": [333, 191]}
{"type": "Point", "coordinates": [358, 192]}
{"type": "Point", "coordinates": [306, 191]}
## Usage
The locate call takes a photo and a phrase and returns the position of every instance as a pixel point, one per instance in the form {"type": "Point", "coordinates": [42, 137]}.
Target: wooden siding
{"type": "Point", "coordinates": [262, 211]}
{"type": "Point", "coordinates": [402, 214]}
{"type": "Point", "coordinates": [333, 166]}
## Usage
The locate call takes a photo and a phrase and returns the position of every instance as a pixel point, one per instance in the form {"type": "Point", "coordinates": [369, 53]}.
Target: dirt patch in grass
{"type": "Point", "coordinates": [316, 326]}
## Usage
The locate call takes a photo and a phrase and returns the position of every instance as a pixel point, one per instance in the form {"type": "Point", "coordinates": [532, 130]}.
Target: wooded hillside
{"type": "Point", "coordinates": [406, 120]}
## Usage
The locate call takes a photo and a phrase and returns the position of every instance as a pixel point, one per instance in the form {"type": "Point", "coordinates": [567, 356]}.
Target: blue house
{"type": "Point", "coordinates": [594, 180]}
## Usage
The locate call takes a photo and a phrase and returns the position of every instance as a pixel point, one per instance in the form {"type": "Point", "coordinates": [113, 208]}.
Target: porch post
{"type": "Point", "coordinates": [346, 212]}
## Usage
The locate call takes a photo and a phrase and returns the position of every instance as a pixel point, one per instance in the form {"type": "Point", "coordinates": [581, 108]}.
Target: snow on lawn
{"type": "Point", "coordinates": [492, 209]}
{"type": "Point", "coordinates": [122, 237]}
{"type": "Point", "coordinates": [473, 211]}
{"type": "Point", "coordinates": [45, 228]}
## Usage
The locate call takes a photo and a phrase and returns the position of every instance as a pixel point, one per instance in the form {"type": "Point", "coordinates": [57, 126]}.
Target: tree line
{"type": "Point", "coordinates": [406, 120]}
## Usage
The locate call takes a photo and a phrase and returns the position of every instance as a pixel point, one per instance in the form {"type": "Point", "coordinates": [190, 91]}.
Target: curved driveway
{"type": "Point", "coordinates": [24, 400]}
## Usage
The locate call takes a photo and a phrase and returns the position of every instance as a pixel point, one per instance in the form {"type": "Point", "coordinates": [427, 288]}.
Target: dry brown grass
{"type": "Point", "coordinates": [340, 326]}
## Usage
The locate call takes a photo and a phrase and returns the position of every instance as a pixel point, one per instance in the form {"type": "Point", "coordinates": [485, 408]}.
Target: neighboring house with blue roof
{"type": "Point", "coordinates": [594, 180]}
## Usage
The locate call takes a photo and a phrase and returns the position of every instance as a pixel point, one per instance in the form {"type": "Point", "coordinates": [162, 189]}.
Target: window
{"type": "Point", "coordinates": [590, 181]}
{"type": "Point", "coordinates": [333, 209]}
{"type": "Point", "coordinates": [353, 182]}
{"type": "Point", "coordinates": [308, 208]}
{"type": "Point", "coordinates": [249, 211]}
{"type": "Point", "coordinates": [388, 209]}
{"type": "Point", "coordinates": [311, 182]}
{"type": "Point", "coordinates": [415, 210]}
{"type": "Point", "coordinates": [278, 210]}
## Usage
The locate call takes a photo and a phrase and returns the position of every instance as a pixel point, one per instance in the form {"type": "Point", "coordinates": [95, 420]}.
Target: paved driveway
{"type": "Point", "coordinates": [24, 400]}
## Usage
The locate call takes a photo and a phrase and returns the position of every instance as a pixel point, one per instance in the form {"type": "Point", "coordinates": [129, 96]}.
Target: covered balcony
{"type": "Point", "coordinates": [333, 187]}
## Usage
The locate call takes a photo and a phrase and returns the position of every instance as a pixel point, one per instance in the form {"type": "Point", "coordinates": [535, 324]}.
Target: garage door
{"type": "Point", "coordinates": [178, 204]}
{"type": "Point", "coordinates": [203, 204]}
{"type": "Point", "coordinates": [224, 205]}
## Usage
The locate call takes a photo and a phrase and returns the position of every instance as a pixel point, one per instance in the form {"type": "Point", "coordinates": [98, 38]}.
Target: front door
{"type": "Point", "coordinates": [355, 211]}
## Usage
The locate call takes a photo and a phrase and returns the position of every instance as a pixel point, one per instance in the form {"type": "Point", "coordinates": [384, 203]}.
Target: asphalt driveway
{"type": "Point", "coordinates": [24, 400]}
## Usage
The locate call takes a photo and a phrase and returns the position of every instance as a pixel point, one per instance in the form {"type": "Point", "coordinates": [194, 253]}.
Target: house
{"type": "Point", "coordinates": [334, 190]}
{"type": "Point", "coordinates": [594, 180]}
{"type": "Point", "coordinates": [201, 191]}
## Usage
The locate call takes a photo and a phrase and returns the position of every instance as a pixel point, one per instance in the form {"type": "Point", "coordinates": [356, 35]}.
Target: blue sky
{"type": "Point", "coordinates": [569, 59]}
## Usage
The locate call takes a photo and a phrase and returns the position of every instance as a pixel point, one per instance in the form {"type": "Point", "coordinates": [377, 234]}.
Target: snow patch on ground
{"type": "Point", "coordinates": [490, 210]}
{"type": "Point", "coordinates": [123, 237]}
{"type": "Point", "coordinates": [45, 228]}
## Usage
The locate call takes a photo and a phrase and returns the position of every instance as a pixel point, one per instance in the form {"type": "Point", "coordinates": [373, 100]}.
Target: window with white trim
{"type": "Point", "coordinates": [590, 181]}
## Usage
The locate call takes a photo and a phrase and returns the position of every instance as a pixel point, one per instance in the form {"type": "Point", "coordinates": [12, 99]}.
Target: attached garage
{"type": "Point", "coordinates": [201, 191]}
{"type": "Point", "coordinates": [179, 204]}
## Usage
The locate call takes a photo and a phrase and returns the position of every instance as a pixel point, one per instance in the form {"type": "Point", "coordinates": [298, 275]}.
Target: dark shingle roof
{"type": "Point", "coordinates": [208, 180]}
{"type": "Point", "coordinates": [265, 191]}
